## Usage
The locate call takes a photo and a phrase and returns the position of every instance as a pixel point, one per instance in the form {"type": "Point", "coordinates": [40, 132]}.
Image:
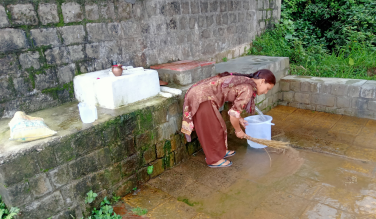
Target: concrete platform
{"type": "Point", "coordinates": [304, 184]}
{"type": "Point", "coordinates": [348, 136]}
{"type": "Point", "coordinates": [314, 186]}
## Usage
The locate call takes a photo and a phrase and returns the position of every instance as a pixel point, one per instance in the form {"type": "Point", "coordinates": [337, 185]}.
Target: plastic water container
{"type": "Point", "coordinates": [258, 128]}
{"type": "Point", "coordinates": [88, 113]}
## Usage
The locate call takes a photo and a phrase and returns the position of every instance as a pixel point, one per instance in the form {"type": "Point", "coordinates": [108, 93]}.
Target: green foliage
{"type": "Point", "coordinates": [309, 35]}
{"type": "Point", "coordinates": [139, 211]}
{"type": "Point", "coordinates": [329, 23]}
{"type": "Point", "coordinates": [105, 211]}
{"type": "Point", "coordinates": [90, 197]}
{"type": "Point", "coordinates": [5, 213]}
{"type": "Point", "coordinates": [224, 59]}
{"type": "Point", "coordinates": [105, 201]}
{"type": "Point", "coordinates": [186, 201]}
{"type": "Point", "coordinates": [167, 150]}
{"type": "Point", "coordinates": [115, 198]}
{"type": "Point", "coordinates": [150, 169]}
{"type": "Point", "coordinates": [53, 92]}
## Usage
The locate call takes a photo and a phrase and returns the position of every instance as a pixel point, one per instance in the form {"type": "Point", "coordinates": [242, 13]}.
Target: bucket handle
{"type": "Point", "coordinates": [266, 123]}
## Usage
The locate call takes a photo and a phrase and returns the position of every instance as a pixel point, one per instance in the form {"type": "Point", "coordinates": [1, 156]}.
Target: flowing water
{"type": "Point", "coordinates": [260, 113]}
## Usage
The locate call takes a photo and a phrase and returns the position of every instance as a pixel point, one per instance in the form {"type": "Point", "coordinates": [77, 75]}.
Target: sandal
{"type": "Point", "coordinates": [229, 155]}
{"type": "Point", "coordinates": [220, 165]}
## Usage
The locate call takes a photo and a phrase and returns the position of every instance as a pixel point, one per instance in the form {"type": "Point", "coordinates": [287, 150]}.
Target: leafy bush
{"type": "Point", "coordinates": [318, 48]}
{"type": "Point", "coordinates": [90, 197]}
{"type": "Point", "coordinates": [5, 213]}
{"type": "Point", "coordinates": [105, 211]}
{"type": "Point", "coordinates": [331, 23]}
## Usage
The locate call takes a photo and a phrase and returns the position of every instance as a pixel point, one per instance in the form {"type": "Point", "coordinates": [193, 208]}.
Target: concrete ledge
{"type": "Point", "coordinates": [185, 72]}
{"type": "Point", "coordinates": [352, 97]}
{"type": "Point", "coordinates": [46, 177]}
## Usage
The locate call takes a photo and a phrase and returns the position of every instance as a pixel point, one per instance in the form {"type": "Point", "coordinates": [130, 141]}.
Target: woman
{"type": "Point", "coordinates": [201, 113]}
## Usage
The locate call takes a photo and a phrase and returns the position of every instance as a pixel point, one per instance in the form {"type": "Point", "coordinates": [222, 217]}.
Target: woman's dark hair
{"type": "Point", "coordinates": [260, 74]}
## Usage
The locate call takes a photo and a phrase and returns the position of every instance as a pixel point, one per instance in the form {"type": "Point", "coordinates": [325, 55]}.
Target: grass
{"type": "Point", "coordinates": [139, 211]}
{"type": "Point", "coordinates": [356, 60]}
{"type": "Point", "coordinates": [358, 63]}
{"type": "Point", "coordinates": [186, 201]}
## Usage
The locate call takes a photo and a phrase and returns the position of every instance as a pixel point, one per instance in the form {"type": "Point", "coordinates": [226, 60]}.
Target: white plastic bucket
{"type": "Point", "coordinates": [88, 113]}
{"type": "Point", "coordinates": [258, 128]}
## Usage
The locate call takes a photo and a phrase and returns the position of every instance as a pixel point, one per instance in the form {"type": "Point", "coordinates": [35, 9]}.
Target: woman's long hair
{"type": "Point", "coordinates": [260, 74]}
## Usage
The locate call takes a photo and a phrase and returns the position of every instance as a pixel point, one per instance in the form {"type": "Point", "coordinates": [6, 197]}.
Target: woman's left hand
{"type": "Point", "coordinates": [243, 122]}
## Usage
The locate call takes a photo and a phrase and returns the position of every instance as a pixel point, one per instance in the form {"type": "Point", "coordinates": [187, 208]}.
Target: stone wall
{"type": "Point", "coordinates": [50, 178]}
{"type": "Point", "coordinates": [44, 44]}
{"type": "Point", "coordinates": [350, 97]}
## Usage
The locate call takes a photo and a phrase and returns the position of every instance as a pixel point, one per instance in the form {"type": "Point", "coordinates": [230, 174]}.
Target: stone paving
{"type": "Point", "coordinates": [298, 184]}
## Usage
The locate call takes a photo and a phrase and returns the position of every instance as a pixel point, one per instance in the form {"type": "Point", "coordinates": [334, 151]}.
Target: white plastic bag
{"type": "Point", "coordinates": [25, 128]}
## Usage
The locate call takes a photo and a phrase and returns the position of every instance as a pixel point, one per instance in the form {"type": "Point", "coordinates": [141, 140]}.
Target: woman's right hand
{"type": "Point", "coordinates": [240, 134]}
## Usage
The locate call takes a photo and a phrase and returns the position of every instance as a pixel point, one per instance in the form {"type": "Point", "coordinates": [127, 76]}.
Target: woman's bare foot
{"type": "Point", "coordinates": [221, 161]}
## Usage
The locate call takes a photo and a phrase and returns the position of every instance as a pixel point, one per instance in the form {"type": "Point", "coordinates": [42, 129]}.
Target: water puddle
{"type": "Point", "coordinates": [299, 184]}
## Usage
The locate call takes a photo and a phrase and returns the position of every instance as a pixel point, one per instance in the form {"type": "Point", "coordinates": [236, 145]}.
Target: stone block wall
{"type": "Point", "coordinates": [350, 97]}
{"type": "Point", "coordinates": [44, 44]}
{"type": "Point", "coordinates": [51, 178]}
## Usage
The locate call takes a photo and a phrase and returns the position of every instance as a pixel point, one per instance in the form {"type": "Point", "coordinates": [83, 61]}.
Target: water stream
{"type": "Point", "coordinates": [260, 113]}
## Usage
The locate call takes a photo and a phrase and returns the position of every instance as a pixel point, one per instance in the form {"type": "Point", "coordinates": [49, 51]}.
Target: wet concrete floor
{"type": "Point", "coordinates": [324, 132]}
{"type": "Point", "coordinates": [299, 184]}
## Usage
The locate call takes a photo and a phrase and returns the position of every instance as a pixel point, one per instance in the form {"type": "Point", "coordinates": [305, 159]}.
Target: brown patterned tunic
{"type": "Point", "coordinates": [241, 91]}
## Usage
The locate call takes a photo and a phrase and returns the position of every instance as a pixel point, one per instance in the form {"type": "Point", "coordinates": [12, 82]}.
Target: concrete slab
{"type": "Point", "coordinates": [250, 64]}
{"type": "Point", "coordinates": [185, 72]}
